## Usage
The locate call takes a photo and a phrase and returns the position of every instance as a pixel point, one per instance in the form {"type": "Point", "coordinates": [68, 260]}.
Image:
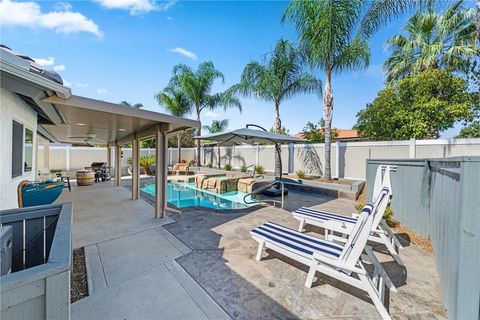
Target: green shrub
{"type": "Point", "coordinates": [146, 161]}
{"type": "Point", "coordinates": [243, 168]}
{"type": "Point", "coordinates": [210, 165]}
{"type": "Point", "coordinates": [228, 167]}
{"type": "Point", "coordinates": [387, 215]}
{"type": "Point", "coordinates": [300, 174]}
{"type": "Point", "coordinates": [260, 170]}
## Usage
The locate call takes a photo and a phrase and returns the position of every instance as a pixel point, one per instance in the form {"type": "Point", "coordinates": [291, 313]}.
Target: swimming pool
{"type": "Point", "coordinates": [182, 195]}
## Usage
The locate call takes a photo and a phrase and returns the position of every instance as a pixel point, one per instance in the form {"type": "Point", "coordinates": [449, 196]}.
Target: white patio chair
{"type": "Point", "coordinates": [332, 222]}
{"type": "Point", "coordinates": [344, 262]}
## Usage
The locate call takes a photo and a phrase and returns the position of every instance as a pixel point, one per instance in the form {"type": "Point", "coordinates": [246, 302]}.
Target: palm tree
{"type": "Point", "coordinates": [433, 40]}
{"type": "Point", "coordinates": [177, 104]}
{"type": "Point", "coordinates": [328, 34]}
{"type": "Point", "coordinates": [382, 12]}
{"type": "Point", "coordinates": [136, 105]}
{"type": "Point", "coordinates": [197, 87]}
{"type": "Point", "coordinates": [278, 79]}
{"type": "Point", "coordinates": [215, 127]}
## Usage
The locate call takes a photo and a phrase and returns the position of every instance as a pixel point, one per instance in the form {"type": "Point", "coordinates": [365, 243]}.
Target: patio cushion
{"type": "Point", "coordinates": [297, 242]}
{"type": "Point", "coordinates": [318, 215]}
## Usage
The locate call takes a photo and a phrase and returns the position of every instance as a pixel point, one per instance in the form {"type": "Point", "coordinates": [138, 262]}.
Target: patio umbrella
{"type": "Point", "coordinates": [250, 136]}
{"type": "Point", "coordinates": [253, 136]}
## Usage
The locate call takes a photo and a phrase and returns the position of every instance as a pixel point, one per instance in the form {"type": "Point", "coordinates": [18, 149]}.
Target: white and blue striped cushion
{"type": "Point", "coordinates": [323, 215]}
{"type": "Point", "coordinates": [296, 241]}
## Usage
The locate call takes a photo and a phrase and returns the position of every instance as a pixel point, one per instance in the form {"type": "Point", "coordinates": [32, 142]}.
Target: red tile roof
{"type": "Point", "coordinates": [343, 134]}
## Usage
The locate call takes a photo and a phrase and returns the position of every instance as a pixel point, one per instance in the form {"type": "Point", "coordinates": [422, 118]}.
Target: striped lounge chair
{"type": "Point", "coordinates": [344, 262]}
{"type": "Point", "coordinates": [332, 222]}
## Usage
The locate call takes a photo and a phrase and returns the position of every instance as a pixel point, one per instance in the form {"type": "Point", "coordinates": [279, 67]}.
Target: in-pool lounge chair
{"type": "Point", "coordinates": [344, 262]}
{"type": "Point", "coordinates": [332, 222]}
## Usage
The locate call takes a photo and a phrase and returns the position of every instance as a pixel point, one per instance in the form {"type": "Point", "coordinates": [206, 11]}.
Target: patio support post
{"type": "Point", "coordinates": [118, 170]}
{"type": "Point", "coordinates": [109, 158]}
{"type": "Point", "coordinates": [160, 172]}
{"type": "Point", "coordinates": [135, 168]}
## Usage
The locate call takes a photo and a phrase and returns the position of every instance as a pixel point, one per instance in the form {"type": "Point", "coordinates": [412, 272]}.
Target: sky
{"type": "Point", "coordinates": [117, 50]}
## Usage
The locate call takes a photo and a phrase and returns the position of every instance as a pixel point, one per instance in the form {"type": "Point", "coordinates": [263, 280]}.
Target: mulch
{"type": "Point", "coordinates": [78, 285]}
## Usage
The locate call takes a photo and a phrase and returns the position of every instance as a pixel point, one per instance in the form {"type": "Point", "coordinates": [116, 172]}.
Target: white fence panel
{"type": "Point", "coordinates": [348, 159]}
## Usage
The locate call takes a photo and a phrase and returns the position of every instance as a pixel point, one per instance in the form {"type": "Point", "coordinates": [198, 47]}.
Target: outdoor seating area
{"type": "Point", "coordinates": [220, 277]}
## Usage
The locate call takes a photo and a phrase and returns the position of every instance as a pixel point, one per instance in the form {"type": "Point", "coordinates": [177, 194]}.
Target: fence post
{"type": "Point", "coordinates": [412, 149]}
{"type": "Point", "coordinates": [257, 155]}
{"type": "Point", "coordinates": [291, 158]}
{"type": "Point", "coordinates": [67, 158]}
{"type": "Point", "coordinates": [337, 166]}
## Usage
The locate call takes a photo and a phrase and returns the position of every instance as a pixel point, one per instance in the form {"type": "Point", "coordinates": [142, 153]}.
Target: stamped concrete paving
{"type": "Point", "coordinates": [222, 261]}
{"type": "Point", "coordinates": [169, 276]}
{"type": "Point", "coordinates": [130, 258]}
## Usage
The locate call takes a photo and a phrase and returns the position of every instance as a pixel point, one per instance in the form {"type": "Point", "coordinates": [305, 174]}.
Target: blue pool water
{"type": "Point", "coordinates": [182, 195]}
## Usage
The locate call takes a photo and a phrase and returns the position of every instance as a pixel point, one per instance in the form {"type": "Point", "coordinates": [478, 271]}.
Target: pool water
{"type": "Point", "coordinates": [182, 195]}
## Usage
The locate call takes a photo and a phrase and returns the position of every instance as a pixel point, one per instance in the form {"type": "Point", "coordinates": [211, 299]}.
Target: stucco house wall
{"type": "Point", "coordinates": [12, 108]}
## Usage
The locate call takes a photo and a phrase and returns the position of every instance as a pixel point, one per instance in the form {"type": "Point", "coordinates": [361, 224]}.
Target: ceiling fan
{"type": "Point", "coordinates": [90, 137]}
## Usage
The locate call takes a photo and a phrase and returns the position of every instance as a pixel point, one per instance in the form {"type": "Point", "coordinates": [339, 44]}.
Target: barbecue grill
{"type": "Point", "coordinates": [101, 173]}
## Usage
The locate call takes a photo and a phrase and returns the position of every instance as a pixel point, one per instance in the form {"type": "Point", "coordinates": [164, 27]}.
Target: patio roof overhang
{"type": "Point", "coordinates": [110, 123]}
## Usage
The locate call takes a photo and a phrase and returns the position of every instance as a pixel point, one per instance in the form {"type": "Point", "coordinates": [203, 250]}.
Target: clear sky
{"type": "Point", "coordinates": [118, 50]}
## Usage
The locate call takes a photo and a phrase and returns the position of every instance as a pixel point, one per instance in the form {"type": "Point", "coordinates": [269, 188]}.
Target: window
{"type": "Point", "coordinates": [28, 150]}
{"type": "Point", "coordinates": [17, 149]}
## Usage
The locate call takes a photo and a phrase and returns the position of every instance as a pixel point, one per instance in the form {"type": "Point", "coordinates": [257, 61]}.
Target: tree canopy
{"type": "Point", "coordinates": [127, 104]}
{"type": "Point", "coordinates": [418, 106]}
{"type": "Point", "coordinates": [197, 88]}
{"type": "Point", "coordinates": [217, 126]}
{"type": "Point", "coordinates": [470, 131]}
{"type": "Point", "coordinates": [434, 40]}
{"type": "Point", "coordinates": [315, 132]}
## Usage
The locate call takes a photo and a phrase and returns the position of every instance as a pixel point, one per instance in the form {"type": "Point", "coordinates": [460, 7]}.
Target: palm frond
{"type": "Point", "coordinates": [381, 12]}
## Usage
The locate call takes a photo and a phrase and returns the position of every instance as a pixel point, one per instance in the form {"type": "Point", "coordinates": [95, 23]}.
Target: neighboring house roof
{"type": "Point", "coordinates": [343, 135]}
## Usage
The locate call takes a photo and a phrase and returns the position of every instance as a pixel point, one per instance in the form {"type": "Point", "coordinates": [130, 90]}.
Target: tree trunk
{"type": "Point", "coordinates": [179, 148]}
{"type": "Point", "coordinates": [199, 133]}
{"type": "Point", "coordinates": [328, 113]}
{"type": "Point", "coordinates": [278, 129]}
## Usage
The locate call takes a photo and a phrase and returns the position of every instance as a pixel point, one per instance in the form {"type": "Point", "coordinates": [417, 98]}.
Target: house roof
{"type": "Point", "coordinates": [342, 134]}
{"type": "Point", "coordinates": [111, 123]}
{"type": "Point", "coordinates": [74, 119]}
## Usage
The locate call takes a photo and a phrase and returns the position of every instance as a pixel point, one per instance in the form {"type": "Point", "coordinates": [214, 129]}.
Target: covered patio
{"type": "Point", "coordinates": [90, 122]}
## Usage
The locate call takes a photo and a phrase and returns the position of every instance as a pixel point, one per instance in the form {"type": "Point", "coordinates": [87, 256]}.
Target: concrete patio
{"type": "Point", "coordinates": [200, 265]}
{"type": "Point", "coordinates": [130, 259]}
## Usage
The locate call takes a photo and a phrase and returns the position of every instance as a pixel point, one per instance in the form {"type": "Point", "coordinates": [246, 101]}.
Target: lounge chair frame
{"type": "Point", "coordinates": [348, 267]}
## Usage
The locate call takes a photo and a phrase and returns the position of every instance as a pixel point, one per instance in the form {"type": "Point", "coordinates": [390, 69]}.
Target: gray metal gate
{"type": "Point", "coordinates": [440, 199]}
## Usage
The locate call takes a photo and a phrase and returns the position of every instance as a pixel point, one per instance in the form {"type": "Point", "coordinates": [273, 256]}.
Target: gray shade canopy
{"type": "Point", "coordinates": [250, 136]}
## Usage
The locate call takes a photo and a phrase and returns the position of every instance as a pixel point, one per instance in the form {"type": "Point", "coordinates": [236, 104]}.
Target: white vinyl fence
{"type": "Point", "coordinates": [348, 159]}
